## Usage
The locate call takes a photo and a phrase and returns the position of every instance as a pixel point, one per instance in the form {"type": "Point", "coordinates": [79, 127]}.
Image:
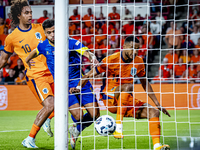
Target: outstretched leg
{"type": "Point", "coordinates": [122, 103]}
{"type": "Point", "coordinates": [48, 107]}
{"type": "Point", "coordinates": [152, 114]}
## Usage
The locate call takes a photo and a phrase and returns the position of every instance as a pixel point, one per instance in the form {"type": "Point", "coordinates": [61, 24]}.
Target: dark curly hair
{"type": "Point", "coordinates": [16, 9]}
{"type": "Point", "coordinates": [48, 23]}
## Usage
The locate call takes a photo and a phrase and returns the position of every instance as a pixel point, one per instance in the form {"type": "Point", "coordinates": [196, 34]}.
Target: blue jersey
{"type": "Point", "coordinates": [47, 49]}
{"type": "Point", "coordinates": [75, 49]}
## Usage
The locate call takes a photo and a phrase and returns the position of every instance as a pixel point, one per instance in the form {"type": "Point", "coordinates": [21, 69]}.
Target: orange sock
{"type": "Point", "coordinates": [34, 131]}
{"type": "Point", "coordinates": [154, 129]}
{"type": "Point", "coordinates": [121, 110]}
{"type": "Point", "coordinates": [51, 115]}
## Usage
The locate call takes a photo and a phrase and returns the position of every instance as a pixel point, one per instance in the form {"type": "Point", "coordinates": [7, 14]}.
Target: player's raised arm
{"type": "Point", "coordinates": [83, 50]}
{"type": "Point", "coordinates": [84, 80]}
{"type": "Point", "coordinates": [32, 55]}
{"type": "Point", "coordinates": [146, 85]}
{"type": "Point", "coordinates": [91, 57]}
{"type": "Point", "coordinates": [4, 58]}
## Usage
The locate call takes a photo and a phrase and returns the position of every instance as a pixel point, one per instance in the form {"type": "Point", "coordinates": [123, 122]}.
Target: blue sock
{"type": "Point", "coordinates": [86, 118]}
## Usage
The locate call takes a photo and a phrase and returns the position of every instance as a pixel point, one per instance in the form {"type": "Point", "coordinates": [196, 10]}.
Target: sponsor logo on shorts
{"type": "Point", "coordinates": [45, 91]}
{"type": "Point", "coordinates": [3, 98]}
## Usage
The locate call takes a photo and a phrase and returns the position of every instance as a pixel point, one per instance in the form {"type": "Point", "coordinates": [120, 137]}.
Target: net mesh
{"type": "Point", "coordinates": [169, 44]}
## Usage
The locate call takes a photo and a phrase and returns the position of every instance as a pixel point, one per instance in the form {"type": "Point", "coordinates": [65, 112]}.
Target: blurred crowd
{"type": "Point", "coordinates": [105, 34]}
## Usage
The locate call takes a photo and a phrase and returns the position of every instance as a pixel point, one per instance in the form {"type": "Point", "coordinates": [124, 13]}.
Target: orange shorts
{"type": "Point", "coordinates": [42, 87]}
{"type": "Point", "coordinates": [111, 103]}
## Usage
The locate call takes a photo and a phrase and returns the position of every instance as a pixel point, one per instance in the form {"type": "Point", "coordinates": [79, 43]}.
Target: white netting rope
{"type": "Point", "coordinates": [174, 108]}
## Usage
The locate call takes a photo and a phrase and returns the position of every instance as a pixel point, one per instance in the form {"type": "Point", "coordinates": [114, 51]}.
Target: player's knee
{"type": "Point", "coordinates": [49, 104]}
{"type": "Point", "coordinates": [95, 114]}
{"type": "Point", "coordinates": [154, 113]}
{"type": "Point", "coordinates": [77, 116]}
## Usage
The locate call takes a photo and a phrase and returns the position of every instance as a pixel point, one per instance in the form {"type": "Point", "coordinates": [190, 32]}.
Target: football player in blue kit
{"type": "Point", "coordinates": [86, 98]}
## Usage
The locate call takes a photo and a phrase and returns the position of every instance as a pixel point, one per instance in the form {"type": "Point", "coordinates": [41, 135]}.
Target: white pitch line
{"type": "Point", "coordinates": [14, 130]}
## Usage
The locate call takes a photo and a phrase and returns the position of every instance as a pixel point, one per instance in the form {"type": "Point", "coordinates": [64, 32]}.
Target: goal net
{"type": "Point", "coordinates": [169, 45]}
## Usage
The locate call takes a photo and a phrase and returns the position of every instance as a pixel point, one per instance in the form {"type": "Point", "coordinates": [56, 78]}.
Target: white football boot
{"type": "Point", "coordinates": [74, 133]}
{"type": "Point", "coordinates": [118, 132]}
{"type": "Point", "coordinates": [29, 142]}
{"type": "Point", "coordinates": [159, 146]}
{"type": "Point", "coordinates": [47, 127]}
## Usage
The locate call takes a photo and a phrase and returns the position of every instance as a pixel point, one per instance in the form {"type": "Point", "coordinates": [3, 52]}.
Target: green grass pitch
{"type": "Point", "coordinates": [15, 126]}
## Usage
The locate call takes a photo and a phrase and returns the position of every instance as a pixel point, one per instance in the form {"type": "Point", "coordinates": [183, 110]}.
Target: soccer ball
{"type": "Point", "coordinates": [105, 125]}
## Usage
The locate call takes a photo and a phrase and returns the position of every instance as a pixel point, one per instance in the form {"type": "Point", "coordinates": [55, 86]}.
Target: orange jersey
{"type": "Point", "coordinates": [172, 59]}
{"type": "Point", "coordinates": [114, 16]}
{"type": "Point", "coordinates": [197, 47]}
{"type": "Point", "coordinates": [2, 38]}
{"type": "Point", "coordinates": [71, 29]}
{"type": "Point", "coordinates": [150, 36]}
{"type": "Point", "coordinates": [100, 38]}
{"type": "Point", "coordinates": [22, 42]}
{"type": "Point", "coordinates": [179, 70]}
{"type": "Point", "coordinates": [87, 17]}
{"type": "Point", "coordinates": [104, 48]}
{"type": "Point", "coordinates": [118, 72]}
{"type": "Point", "coordinates": [20, 81]}
{"type": "Point", "coordinates": [77, 17]}
{"type": "Point", "coordinates": [13, 61]}
{"type": "Point", "coordinates": [42, 19]}
{"type": "Point", "coordinates": [195, 59]}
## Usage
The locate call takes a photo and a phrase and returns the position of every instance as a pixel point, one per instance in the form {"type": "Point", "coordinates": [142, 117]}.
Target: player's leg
{"type": "Point", "coordinates": [89, 101]}
{"type": "Point", "coordinates": [122, 103]}
{"type": "Point", "coordinates": [76, 115]}
{"type": "Point", "coordinates": [45, 95]}
{"type": "Point", "coordinates": [146, 111]}
{"type": "Point", "coordinates": [91, 115]}
{"type": "Point", "coordinates": [47, 124]}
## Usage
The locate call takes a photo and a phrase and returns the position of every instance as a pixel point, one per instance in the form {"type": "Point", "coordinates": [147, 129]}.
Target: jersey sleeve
{"type": "Point", "coordinates": [102, 67]}
{"type": "Point", "coordinates": [40, 50]}
{"type": "Point", "coordinates": [141, 69]}
{"type": "Point", "coordinates": [79, 47]}
{"type": "Point", "coordinates": [9, 48]}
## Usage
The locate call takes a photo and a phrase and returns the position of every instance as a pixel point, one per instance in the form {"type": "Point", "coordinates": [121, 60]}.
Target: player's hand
{"type": "Point", "coordinates": [74, 90]}
{"type": "Point", "coordinates": [31, 63]}
{"type": "Point", "coordinates": [164, 111]}
{"type": "Point", "coordinates": [94, 62]}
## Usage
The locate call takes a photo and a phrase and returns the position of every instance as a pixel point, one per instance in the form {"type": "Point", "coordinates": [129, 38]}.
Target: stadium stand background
{"type": "Point", "coordinates": [107, 43]}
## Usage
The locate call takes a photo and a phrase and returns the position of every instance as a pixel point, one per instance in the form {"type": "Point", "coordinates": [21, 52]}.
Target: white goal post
{"type": "Point", "coordinates": [61, 75]}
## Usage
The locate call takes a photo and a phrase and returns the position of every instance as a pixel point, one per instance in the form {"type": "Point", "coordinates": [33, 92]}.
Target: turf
{"type": "Point", "coordinates": [15, 126]}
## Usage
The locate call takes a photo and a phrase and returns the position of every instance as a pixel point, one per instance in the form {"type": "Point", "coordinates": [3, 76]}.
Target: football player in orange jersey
{"type": "Point", "coordinates": [120, 69]}
{"type": "Point", "coordinates": [22, 41]}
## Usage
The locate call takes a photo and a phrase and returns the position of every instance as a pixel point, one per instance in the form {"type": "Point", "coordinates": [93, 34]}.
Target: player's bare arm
{"type": "Point", "coordinates": [83, 81]}
{"type": "Point", "coordinates": [4, 58]}
{"type": "Point", "coordinates": [91, 57]}
{"type": "Point", "coordinates": [146, 85]}
{"type": "Point", "coordinates": [32, 55]}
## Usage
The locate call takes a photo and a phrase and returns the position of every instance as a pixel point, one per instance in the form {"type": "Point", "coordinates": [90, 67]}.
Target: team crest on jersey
{"type": "Point", "coordinates": [38, 35]}
{"type": "Point", "coordinates": [45, 91]}
{"type": "Point", "coordinates": [133, 71]}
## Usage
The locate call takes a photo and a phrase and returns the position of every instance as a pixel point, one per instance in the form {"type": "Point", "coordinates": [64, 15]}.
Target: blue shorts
{"type": "Point", "coordinates": [84, 98]}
